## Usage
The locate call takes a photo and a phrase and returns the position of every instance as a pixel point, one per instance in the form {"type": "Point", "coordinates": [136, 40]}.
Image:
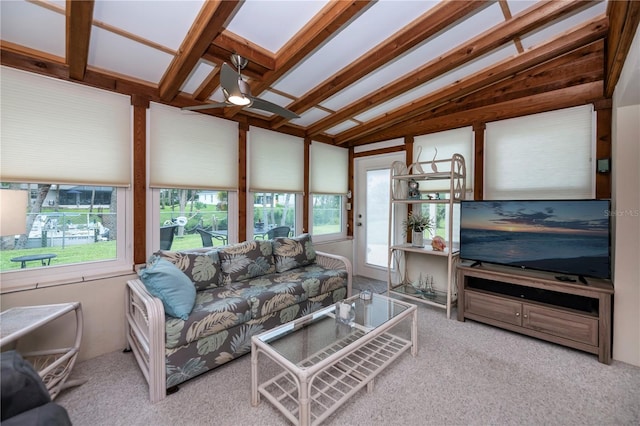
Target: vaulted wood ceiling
{"type": "Point", "coordinates": [355, 71]}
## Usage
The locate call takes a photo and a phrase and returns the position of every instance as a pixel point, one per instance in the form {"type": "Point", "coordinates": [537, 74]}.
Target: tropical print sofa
{"type": "Point", "coordinates": [192, 311]}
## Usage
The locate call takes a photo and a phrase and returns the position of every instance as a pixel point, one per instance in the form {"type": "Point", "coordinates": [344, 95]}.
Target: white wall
{"type": "Point", "coordinates": [103, 313]}
{"type": "Point", "coordinates": [626, 207]}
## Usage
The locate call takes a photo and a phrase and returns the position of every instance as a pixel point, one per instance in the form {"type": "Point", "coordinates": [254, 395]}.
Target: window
{"type": "Point", "coordinates": [327, 214]}
{"type": "Point", "coordinates": [541, 156]}
{"type": "Point", "coordinates": [72, 153]}
{"type": "Point", "coordinates": [193, 173]}
{"type": "Point", "coordinates": [272, 210]}
{"type": "Point", "coordinates": [328, 182]}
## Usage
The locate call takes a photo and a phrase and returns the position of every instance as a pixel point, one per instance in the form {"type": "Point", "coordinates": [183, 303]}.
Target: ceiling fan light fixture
{"type": "Point", "coordinates": [239, 100]}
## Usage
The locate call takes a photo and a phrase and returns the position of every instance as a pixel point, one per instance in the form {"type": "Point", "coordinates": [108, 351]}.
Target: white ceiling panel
{"type": "Point", "coordinates": [372, 27]}
{"type": "Point", "coordinates": [417, 57]}
{"type": "Point", "coordinates": [33, 26]}
{"type": "Point", "coordinates": [345, 125]}
{"type": "Point", "coordinates": [272, 23]}
{"type": "Point", "coordinates": [558, 27]}
{"type": "Point", "coordinates": [439, 83]}
{"type": "Point", "coordinates": [311, 116]}
{"type": "Point", "coordinates": [197, 76]}
{"type": "Point", "coordinates": [112, 52]}
{"type": "Point", "coordinates": [164, 22]}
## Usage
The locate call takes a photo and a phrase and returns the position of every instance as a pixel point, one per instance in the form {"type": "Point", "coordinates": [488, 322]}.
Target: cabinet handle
{"type": "Point", "coordinates": [525, 316]}
{"type": "Point", "coordinates": [517, 314]}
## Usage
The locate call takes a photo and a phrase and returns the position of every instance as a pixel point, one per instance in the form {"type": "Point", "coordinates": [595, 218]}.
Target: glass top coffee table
{"type": "Point", "coordinates": [323, 361]}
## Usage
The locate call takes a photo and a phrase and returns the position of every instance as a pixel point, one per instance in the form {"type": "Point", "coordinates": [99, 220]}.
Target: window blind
{"type": "Point", "coordinates": [54, 131]}
{"type": "Point", "coordinates": [540, 156]}
{"type": "Point", "coordinates": [449, 142]}
{"type": "Point", "coordinates": [191, 150]}
{"type": "Point", "coordinates": [329, 166]}
{"type": "Point", "coordinates": [276, 161]}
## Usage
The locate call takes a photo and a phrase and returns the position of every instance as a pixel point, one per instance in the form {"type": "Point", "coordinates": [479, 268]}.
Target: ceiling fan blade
{"type": "Point", "coordinates": [229, 81]}
{"type": "Point", "coordinates": [271, 107]}
{"type": "Point", "coordinates": [205, 106]}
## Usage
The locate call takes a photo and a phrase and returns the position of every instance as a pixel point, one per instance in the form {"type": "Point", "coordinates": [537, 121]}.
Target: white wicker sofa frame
{"type": "Point", "coordinates": [146, 327]}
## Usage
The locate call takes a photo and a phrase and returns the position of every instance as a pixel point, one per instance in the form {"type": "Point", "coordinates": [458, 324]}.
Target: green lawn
{"type": "Point", "coordinates": [103, 250]}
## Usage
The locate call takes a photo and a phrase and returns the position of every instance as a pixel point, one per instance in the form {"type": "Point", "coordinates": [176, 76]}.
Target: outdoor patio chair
{"type": "Point", "coordinates": [279, 231]}
{"type": "Point", "coordinates": [166, 236]}
{"type": "Point", "coordinates": [207, 238]}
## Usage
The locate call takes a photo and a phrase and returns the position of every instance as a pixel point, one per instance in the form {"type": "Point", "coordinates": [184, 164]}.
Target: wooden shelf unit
{"type": "Point", "coordinates": [536, 304]}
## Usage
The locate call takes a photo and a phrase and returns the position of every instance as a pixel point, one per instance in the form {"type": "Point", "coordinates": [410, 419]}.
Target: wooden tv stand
{"type": "Point", "coordinates": [537, 304]}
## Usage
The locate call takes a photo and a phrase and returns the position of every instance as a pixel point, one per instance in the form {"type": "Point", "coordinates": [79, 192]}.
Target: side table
{"type": "Point", "coordinates": [54, 365]}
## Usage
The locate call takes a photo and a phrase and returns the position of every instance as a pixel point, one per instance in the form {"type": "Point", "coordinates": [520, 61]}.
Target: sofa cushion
{"type": "Point", "coordinates": [271, 293]}
{"type": "Point", "coordinates": [291, 253]}
{"type": "Point", "coordinates": [202, 268]}
{"type": "Point", "coordinates": [167, 282]}
{"type": "Point", "coordinates": [246, 260]}
{"type": "Point", "coordinates": [215, 310]}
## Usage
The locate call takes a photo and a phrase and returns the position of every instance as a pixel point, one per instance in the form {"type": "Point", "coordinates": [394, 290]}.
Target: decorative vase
{"type": "Point", "coordinates": [417, 239]}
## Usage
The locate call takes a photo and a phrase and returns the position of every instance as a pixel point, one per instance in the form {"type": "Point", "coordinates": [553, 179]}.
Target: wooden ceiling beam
{"type": "Point", "coordinates": [580, 66]}
{"type": "Point", "coordinates": [564, 43]}
{"type": "Point", "coordinates": [324, 24]}
{"type": "Point", "coordinates": [624, 18]}
{"type": "Point", "coordinates": [233, 43]}
{"type": "Point", "coordinates": [522, 23]}
{"type": "Point", "coordinates": [430, 23]}
{"type": "Point", "coordinates": [79, 15]}
{"type": "Point", "coordinates": [209, 23]}
{"type": "Point", "coordinates": [208, 86]}
{"type": "Point", "coordinates": [548, 101]}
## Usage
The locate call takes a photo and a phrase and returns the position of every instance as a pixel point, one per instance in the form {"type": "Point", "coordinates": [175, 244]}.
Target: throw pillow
{"type": "Point", "coordinates": [165, 281]}
{"type": "Point", "coordinates": [202, 268]}
{"type": "Point", "coordinates": [291, 253]}
{"type": "Point", "coordinates": [246, 260]}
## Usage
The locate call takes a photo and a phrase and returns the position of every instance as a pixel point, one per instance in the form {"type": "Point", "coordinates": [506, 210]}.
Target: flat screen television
{"type": "Point", "coordinates": [563, 236]}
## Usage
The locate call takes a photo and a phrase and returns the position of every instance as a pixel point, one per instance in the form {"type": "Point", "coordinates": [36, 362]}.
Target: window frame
{"type": "Point", "coordinates": [343, 221]}
{"type": "Point", "coordinates": [32, 278]}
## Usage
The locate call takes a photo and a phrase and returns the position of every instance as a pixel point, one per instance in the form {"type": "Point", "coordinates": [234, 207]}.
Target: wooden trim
{"type": "Point", "coordinates": [624, 18]}
{"type": "Point", "coordinates": [140, 105]}
{"type": "Point", "coordinates": [431, 22]}
{"type": "Point", "coordinates": [380, 151]}
{"type": "Point", "coordinates": [584, 34]}
{"type": "Point", "coordinates": [306, 197]}
{"type": "Point", "coordinates": [603, 150]}
{"type": "Point", "coordinates": [208, 24]}
{"type": "Point", "coordinates": [478, 170]}
{"type": "Point", "coordinates": [352, 189]}
{"type": "Point", "coordinates": [242, 182]}
{"type": "Point", "coordinates": [78, 33]}
{"type": "Point", "coordinates": [497, 36]}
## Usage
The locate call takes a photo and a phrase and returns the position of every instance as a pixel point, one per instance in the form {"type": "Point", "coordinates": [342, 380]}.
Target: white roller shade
{"type": "Point", "coordinates": [329, 166]}
{"type": "Point", "coordinates": [191, 150]}
{"type": "Point", "coordinates": [276, 161]}
{"type": "Point", "coordinates": [54, 131]}
{"type": "Point", "coordinates": [456, 141]}
{"type": "Point", "coordinates": [540, 156]}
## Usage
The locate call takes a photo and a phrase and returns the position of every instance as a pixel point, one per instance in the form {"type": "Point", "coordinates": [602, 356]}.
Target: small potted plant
{"type": "Point", "coordinates": [418, 224]}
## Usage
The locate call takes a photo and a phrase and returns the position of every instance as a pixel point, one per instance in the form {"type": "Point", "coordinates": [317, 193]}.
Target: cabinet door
{"type": "Point", "coordinates": [562, 324]}
{"type": "Point", "coordinates": [489, 306]}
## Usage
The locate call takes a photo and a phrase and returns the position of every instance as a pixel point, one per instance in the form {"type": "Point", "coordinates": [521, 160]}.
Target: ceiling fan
{"type": "Point", "coordinates": [238, 93]}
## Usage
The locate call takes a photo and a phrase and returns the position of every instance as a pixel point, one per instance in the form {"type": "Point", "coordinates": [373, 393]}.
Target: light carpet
{"type": "Point", "coordinates": [465, 373]}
